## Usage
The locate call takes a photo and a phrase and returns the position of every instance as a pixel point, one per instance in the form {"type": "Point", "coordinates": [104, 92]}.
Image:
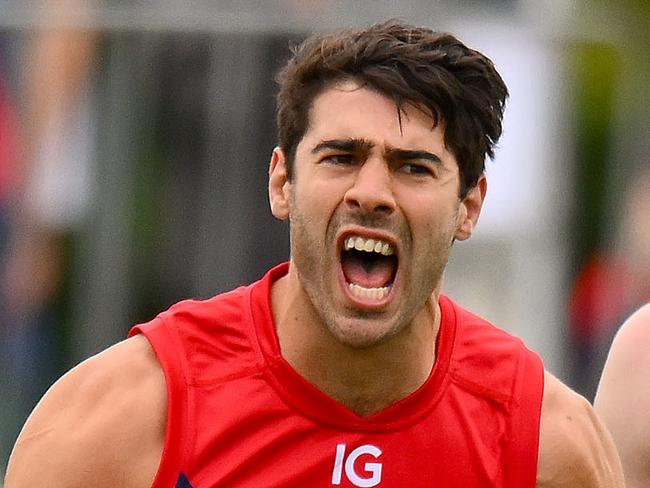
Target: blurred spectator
{"type": "Point", "coordinates": [8, 180]}
{"type": "Point", "coordinates": [41, 206]}
{"type": "Point", "coordinates": [610, 286]}
{"type": "Point", "coordinates": [7, 159]}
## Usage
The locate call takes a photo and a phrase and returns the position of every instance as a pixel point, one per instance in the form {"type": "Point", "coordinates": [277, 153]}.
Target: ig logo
{"type": "Point", "coordinates": [372, 469]}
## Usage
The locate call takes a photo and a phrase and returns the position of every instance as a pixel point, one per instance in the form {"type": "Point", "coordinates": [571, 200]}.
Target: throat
{"type": "Point", "coordinates": [367, 381]}
{"type": "Point", "coordinates": [366, 397]}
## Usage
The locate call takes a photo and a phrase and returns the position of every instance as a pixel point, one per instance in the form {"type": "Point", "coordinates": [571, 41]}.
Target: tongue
{"type": "Point", "coordinates": [369, 273]}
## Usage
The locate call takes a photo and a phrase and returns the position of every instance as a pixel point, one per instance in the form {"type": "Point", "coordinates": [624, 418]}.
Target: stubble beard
{"type": "Point", "coordinates": [360, 329]}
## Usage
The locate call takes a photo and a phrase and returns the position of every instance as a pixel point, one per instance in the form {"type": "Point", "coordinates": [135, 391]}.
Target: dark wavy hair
{"type": "Point", "coordinates": [412, 65]}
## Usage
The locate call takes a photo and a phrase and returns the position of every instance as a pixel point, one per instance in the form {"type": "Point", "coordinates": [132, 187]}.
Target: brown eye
{"type": "Point", "coordinates": [416, 169]}
{"type": "Point", "coordinates": [339, 159]}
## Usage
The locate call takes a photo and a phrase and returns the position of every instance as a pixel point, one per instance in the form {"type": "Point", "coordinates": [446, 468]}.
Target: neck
{"type": "Point", "coordinates": [365, 380]}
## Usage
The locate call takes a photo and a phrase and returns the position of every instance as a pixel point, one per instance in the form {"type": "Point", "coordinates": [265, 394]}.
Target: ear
{"type": "Point", "coordinates": [470, 209]}
{"type": "Point", "coordinates": [279, 185]}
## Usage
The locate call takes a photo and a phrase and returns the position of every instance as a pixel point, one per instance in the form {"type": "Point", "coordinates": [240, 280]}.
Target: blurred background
{"type": "Point", "coordinates": [135, 138]}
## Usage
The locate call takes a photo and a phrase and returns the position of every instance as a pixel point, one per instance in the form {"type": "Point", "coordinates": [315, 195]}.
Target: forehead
{"type": "Point", "coordinates": [348, 110]}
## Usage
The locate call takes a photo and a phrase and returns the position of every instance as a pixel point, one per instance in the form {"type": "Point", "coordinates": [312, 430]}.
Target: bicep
{"type": "Point", "coordinates": [101, 425]}
{"type": "Point", "coordinates": [49, 450]}
{"type": "Point", "coordinates": [575, 448]}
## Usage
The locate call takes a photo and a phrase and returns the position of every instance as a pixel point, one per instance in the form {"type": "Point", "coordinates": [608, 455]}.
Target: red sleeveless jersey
{"type": "Point", "coordinates": [240, 416]}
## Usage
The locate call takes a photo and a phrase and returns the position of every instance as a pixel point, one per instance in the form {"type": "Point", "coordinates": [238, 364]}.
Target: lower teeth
{"type": "Point", "coordinates": [374, 293]}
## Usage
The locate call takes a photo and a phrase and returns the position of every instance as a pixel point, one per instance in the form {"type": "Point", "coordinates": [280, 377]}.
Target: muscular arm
{"type": "Point", "coordinates": [575, 451]}
{"type": "Point", "coordinates": [100, 425]}
{"type": "Point", "coordinates": [623, 398]}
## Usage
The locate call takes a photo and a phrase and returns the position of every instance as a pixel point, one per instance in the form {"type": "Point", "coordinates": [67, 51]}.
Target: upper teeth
{"type": "Point", "coordinates": [368, 245]}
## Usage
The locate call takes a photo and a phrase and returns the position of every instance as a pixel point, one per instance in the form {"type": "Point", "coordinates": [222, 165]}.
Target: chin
{"type": "Point", "coordinates": [362, 334]}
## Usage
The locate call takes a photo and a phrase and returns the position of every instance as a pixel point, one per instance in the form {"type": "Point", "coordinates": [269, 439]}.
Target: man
{"type": "Point", "coordinates": [623, 398]}
{"type": "Point", "coordinates": [346, 366]}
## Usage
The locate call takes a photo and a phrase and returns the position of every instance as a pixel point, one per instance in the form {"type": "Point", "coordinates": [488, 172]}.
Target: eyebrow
{"type": "Point", "coordinates": [348, 145]}
{"type": "Point", "coordinates": [407, 154]}
{"type": "Point", "coordinates": [363, 145]}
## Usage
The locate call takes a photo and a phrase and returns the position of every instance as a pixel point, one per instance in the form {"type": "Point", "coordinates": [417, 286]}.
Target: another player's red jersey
{"type": "Point", "coordinates": [8, 166]}
{"type": "Point", "coordinates": [240, 416]}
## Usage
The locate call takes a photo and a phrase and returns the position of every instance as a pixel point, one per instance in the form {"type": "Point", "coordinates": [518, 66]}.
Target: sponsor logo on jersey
{"type": "Point", "coordinates": [369, 475]}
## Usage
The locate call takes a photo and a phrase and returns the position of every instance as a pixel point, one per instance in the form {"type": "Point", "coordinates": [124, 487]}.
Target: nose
{"type": "Point", "coordinates": [372, 189]}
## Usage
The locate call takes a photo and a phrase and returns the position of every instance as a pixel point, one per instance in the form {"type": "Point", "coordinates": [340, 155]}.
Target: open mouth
{"type": "Point", "coordinates": [369, 267]}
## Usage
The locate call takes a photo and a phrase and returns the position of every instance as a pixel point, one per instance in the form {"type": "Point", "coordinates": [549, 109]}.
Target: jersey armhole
{"type": "Point", "coordinates": [523, 450]}
{"type": "Point", "coordinates": [178, 435]}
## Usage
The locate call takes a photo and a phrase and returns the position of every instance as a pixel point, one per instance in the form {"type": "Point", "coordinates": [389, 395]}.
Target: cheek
{"type": "Point", "coordinates": [435, 225]}
{"type": "Point", "coordinates": [430, 211]}
{"type": "Point", "coordinates": [316, 199]}
{"type": "Point", "coordinates": [308, 218]}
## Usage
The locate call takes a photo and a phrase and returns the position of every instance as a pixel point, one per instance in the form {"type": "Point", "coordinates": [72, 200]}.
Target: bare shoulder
{"type": "Point", "coordinates": [575, 449]}
{"type": "Point", "coordinates": [102, 424]}
{"type": "Point", "coordinates": [628, 364]}
{"type": "Point", "coordinates": [631, 343]}
{"type": "Point", "coordinates": [623, 398]}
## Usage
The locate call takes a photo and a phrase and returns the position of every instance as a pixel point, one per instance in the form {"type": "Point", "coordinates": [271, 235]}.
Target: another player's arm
{"type": "Point", "coordinates": [576, 451]}
{"type": "Point", "coordinates": [623, 398]}
{"type": "Point", "coordinates": [101, 425]}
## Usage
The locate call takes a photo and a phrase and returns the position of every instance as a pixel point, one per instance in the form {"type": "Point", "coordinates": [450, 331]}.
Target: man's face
{"type": "Point", "coordinates": [373, 208]}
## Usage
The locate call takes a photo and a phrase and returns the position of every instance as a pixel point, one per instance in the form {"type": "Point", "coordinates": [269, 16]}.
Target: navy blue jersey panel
{"type": "Point", "coordinates": [183, 482]}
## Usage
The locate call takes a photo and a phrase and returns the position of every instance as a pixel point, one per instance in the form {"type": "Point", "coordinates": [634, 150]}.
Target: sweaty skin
{"type": "Point", "coordinates": [357, 171]}
{"type": "Point", "coordinates": [623, 398]}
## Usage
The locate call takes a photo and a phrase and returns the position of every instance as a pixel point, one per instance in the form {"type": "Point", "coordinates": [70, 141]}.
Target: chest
{"type": "Point", "coordinates": [248, 436]}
